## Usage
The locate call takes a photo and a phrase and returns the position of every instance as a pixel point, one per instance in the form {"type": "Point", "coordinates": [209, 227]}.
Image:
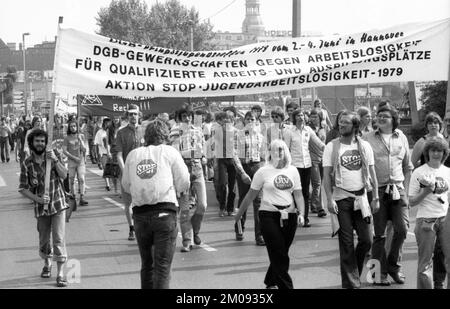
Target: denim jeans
{"type": "Point", "coordinates": [427, 231]}
{"type": "Point", "coordinates": [278, 241]}
{"type": "Point", "coordinates": [305, 179]}
{"type": "Point", "coordinates": [52, 239]}
{"type": "Point", "coordinates": [351, 259]}
{"type": "Point", "coordinates": [250, 169]}
{"type": "Point", "coordinates": [439, 268]}
{"type": "Point", "coordinates": [156, 235]}
{"type": "Point", "coordinates": [445, 245]}
{"type": "Point", "coordinates": [398, 212]}
{"type": "Point", "coordinates": [191, 218]}
{"type": "Point", "coordinates": [78, 170]}
{"type": "Point", "coordinates": [316, 182]}
{"type": "Point", "coordinates": [225, 178]}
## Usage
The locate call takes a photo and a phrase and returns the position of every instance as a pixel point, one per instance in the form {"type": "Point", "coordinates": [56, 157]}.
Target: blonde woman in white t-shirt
{"type": "Point", "coordinates": [278, 215]}
{"type": "Point", "coordinates": [429, 190]}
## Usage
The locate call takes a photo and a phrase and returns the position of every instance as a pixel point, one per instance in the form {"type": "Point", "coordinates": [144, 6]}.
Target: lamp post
{"type": "Point", "coordinates": [25, 73]}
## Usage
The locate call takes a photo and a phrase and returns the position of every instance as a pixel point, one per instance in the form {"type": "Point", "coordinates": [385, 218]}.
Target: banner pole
{"type": "Point", "coordinates": [51, 123]}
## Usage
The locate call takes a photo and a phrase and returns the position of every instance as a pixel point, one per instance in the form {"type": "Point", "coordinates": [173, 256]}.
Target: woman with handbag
{"type": "Point", "coordinates": [75, 150]}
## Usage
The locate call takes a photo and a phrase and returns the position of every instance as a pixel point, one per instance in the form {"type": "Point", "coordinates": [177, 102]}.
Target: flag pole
{"type": "Point", "coordinates": [51, 121]}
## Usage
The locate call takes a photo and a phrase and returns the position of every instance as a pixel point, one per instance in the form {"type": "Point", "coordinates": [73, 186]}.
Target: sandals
{"type": "Point", "coordinates": [60, 282]}
{"type": "Point", "coordinates": [46, 272]}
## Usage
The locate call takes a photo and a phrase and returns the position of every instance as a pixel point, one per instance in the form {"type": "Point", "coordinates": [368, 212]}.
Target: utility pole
{"type": "Point", "coordinates": [296, 33]}
{"type": "Point", "coordinates": [25, 73]}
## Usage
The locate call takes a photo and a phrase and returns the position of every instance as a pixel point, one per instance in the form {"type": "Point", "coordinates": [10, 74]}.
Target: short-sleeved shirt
{"type": "Point", "coordinates": [277, 185]}
{"type": "Point", "coordinates": [127, 140]}
{"type": "Point", "coordinates": [350, 163]}
{"type": "Point", "coordinates": [73, 144]}
{"type": "Point", "coordinates": [99, 138]}
{"type": "Point", "coordinates": [433, 205]}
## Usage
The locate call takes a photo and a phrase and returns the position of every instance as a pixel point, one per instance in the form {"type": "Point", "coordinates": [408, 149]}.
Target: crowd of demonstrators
{"type": "Point", "coordinates": [364, 167]}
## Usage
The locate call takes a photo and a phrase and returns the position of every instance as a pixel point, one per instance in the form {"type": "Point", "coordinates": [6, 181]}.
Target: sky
{"type": "Point", "coordinates": [40, 17]}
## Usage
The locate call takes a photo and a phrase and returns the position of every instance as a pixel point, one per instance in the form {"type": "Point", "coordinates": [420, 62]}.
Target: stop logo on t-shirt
{"type": "Point", "coordinates": [351, 160]}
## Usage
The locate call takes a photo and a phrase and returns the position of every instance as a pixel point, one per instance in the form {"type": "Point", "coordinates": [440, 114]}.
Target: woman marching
{"type": "Point", "coordinates": [280, 185]}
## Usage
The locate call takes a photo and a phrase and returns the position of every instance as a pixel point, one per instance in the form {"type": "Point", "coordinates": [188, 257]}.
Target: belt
{"type": "Point", "coordinates": [281, 207]}
{"type": "Point", "coordinates": [357, 193]}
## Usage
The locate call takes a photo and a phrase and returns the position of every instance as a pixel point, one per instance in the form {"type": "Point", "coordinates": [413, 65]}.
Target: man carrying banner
{"type": "Point", "coordinates": [51, 222]}
{"type": "Point", "coordinates": [127, 140]}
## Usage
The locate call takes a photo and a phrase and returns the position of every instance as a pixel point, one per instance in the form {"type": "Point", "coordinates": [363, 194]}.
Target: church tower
{"type": "Point", "coordinates": [252, 24]}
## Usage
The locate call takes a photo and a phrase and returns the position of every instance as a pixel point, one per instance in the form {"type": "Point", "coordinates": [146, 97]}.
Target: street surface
{"type": "Point", "coordinates": [96, 238]}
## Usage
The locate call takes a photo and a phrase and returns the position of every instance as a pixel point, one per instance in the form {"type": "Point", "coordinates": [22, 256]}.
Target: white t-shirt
{"type": "Point", "coordinates": [98, 140]}
{"type": "Point", "coordinates": [351, 164]}
{"type": "Point", "coordinates": [277, 186]}
{"type": "Point", "coordinates": [431, 207]}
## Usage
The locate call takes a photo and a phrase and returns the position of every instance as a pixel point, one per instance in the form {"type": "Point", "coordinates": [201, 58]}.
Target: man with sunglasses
{"type": "Point", "coordinates": [393, 170]}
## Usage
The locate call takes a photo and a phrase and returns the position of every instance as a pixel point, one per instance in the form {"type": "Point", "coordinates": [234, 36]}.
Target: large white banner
{"type": "Point", "coordinates": [96, 65]}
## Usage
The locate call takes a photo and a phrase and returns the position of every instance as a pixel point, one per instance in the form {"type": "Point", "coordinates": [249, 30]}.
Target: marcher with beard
{"type": "Point", "coordinates": [75, 149]}
{"type": "Point", "coordinates": [348, 164]}
{"type": "Point", "coordinates": [250, 151]}
{"type": "Point", "coordinates": [279, 216]}
{"type": "Point", "coordinates": [154, 176]}
{"type": "Point", "coordinates": [393, 169]}
{"type": "Point", "coordinates": [188, 140]}
{"type": "Point", "coordinates": [301, 141]}
{"type": "Point", "coordinates": [49, 209]}
{"type": "Point", "coordinates": [429, 190]}
{"type": "Point", "coordinates": [128, 138]}
{"type": "Point", "coordinates": [36, 123]}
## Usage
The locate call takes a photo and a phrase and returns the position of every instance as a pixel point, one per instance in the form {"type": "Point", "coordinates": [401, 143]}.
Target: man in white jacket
{"type": "Point", "coordinates": [154, 175]}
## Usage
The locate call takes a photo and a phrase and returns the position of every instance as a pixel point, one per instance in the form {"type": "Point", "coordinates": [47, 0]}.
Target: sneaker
{"type": "Point", "coordinates": [239, 237]}
{"type": "Point", "coordinates": [7, 160]}
{"type": "Point", "coordinates": [307, 224]}
{"type": "Point", "coordinates": [260, 241]}
{"type": "Point", "coordinates": [222, 213]}
{"type": "Point", "coordinates": [321, 213]}
{"type": "Point", "coordinates": [186, 249]}
{"type": "Point", "coordinates": [83, 202]}
{"type": "Point", "coordinates": [100, 166]}
{"type": "Point", "coordinates": [197, 240]}
{"type": "Point", "coordinates": [131, 236]}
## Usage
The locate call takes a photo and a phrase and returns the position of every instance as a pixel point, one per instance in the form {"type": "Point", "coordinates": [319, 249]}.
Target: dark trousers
{"type": "Point", "coordinates": [397, 211]}
{"type": "Point", "coordinates": [351, 259]}
{"type": "Point", "coordinates": [92, 152]}
{"type": "Point", "coordinates": [158, 234]}
{"type": "Point", "coordinates": [278, 240]}
{"type": "Point", "coordinates": [4, 148]}
{"type": "Point", "coordinates": [305, 179]}
{"type": "Point", "coordinates": [250, 169]}
{"type": "Point", "coordinates": [439, 270]}
{"type": "Point", "coordinates": [225, 178]}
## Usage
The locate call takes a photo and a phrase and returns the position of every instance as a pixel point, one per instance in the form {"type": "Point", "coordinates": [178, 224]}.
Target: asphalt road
{"type": "Point", "coordinates": [100, 256]}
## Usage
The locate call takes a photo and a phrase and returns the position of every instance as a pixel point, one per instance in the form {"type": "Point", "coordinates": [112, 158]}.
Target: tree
{"type": "Point", "coordinates": [125, 20]}
{"type": "Point", "coordinates": [165, 24]}
{"type": "Point", "coordinates": [434, 97]}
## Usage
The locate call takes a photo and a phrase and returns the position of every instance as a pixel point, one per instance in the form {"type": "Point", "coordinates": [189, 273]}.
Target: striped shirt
{"type": "Point", "coordinates": [32, 178]}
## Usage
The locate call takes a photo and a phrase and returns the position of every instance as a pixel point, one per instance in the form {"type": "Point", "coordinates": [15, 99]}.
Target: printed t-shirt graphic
{"type": "Point", "coordinates": [146, 169]}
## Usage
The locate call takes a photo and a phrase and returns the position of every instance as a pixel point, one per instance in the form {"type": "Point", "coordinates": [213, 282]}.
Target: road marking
{"type": "Point", "coordinates": [207, 248]}
{"type": "Point", "coordinates": [2, 182]}
{"type": "Point", "coordinates": [97, 172]}
{"type": "Point", "coordinates": [114, 202]}
{"type": "Point", "coordinates": [203, 246]}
